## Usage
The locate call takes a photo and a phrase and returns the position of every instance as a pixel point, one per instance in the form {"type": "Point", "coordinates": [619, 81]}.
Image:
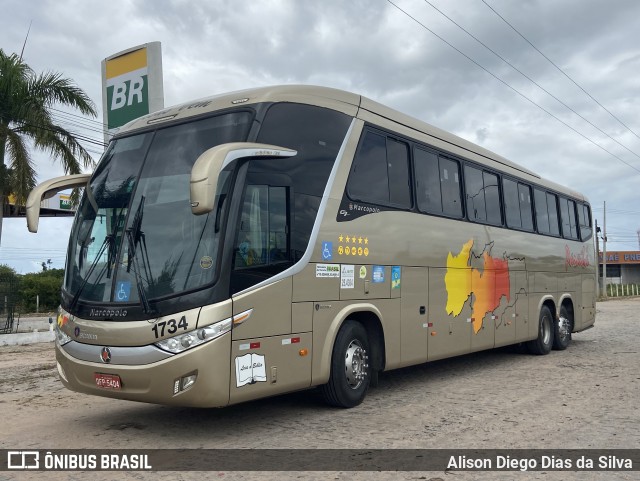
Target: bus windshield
{"type": "Point", "coordinates": [137, 208]}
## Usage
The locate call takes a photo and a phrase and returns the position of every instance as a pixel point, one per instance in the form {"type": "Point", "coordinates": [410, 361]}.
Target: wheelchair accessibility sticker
{"type": "Point", "coordinates": [327, 251]}
{"type": "Point", "coordinates": [123, 291]}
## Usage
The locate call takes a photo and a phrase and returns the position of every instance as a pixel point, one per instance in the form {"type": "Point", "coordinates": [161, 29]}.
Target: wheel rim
{"type": "Point", "coordinates": [355, 364]}
{"type": "Point", "coordinates": [546, 330]}
{"type": "Point", "coordinates": [564, 328]}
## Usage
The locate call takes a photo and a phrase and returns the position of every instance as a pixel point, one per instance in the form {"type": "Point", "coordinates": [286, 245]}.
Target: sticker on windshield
{"type": "Point", "coordinates": [123, 291]}
{"type": "Point", "coordinates": [206, 262]}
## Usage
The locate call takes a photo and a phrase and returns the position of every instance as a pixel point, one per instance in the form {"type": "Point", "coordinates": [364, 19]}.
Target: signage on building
{"type": "Point", "coordinates": [621, 257]}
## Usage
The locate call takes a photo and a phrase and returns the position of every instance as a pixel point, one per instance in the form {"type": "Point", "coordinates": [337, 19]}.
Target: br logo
{"type": "Point", "coordinates": [125, 92]}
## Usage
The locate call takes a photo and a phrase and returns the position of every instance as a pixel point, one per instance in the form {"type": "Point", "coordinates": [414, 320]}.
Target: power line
{"type": "Point", "coordinates": [513, 88]}
{"type": "Point", "coordinates": [76, 135]}
{"type": "Point", "coordinates": [561, 71]}
{"type": "Point", "coordinates": [75, 123]}
{"type": "Point", "coordinates": [527, 77]}
{"type": "Point", "coordinates": [86, 119]}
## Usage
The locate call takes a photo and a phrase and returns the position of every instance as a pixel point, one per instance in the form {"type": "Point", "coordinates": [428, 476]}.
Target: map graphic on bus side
{"type": "Point", "coordinates": [487, 285]}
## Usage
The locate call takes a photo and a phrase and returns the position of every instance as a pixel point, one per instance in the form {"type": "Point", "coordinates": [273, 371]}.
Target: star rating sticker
{"type": "Point", "coordinates": [348, 239]}
{"type": "Point", "coordinates": [366, 241]}
{"type": "Point", "coordinates": [341, 238]}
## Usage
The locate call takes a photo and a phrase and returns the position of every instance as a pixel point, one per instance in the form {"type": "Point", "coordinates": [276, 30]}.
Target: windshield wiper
{"type": "Point", "coordinates": [109, 242]}
{"type": "Point", "coordinates": [135, 236]}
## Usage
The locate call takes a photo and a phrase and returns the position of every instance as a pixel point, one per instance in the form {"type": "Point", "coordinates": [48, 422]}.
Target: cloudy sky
{"type": "Point", "coordinates": [373, 48]}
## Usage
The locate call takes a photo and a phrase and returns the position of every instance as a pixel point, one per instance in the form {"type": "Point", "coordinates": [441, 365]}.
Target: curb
{"type": "Point", "coordinates": [23, 338]}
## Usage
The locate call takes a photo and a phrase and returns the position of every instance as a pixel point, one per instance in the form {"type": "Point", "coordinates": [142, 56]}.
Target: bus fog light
{"type": "Point", "coordinates": [184, 383]}
{"type": "Point", "coordinates": [188, 381]}
{"type": "Point", "coordinates": [186, 341]}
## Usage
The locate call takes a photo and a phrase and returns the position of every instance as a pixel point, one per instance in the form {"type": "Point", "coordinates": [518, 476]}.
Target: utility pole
{"type": "Point", "coordinates": [604, 252]}
{"type": "Point", "coordinates": [599, 289]}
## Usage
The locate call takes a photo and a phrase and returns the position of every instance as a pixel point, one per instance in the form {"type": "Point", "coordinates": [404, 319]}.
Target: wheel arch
{"type": "Point", "coordinates": [550, 302]}
{"type": "Point", "coordinates": [567, 302]}
{"type": "Point", "coordinates": [370, 317]}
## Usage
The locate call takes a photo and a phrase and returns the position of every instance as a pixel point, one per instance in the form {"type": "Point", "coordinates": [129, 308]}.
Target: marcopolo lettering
{"type": "Point", "coordinates": [107, 313]}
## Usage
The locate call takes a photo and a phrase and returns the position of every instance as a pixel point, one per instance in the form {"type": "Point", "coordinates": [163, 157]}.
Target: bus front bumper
{"type": "Point", "coordinates": [161, 382]}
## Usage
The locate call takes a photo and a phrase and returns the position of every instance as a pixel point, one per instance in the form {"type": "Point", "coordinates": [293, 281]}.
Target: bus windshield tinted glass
{"type": "Point", "coordinates": [134, 238]}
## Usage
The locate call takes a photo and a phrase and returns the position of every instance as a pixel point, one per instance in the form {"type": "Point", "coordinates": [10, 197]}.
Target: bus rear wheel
{"type": "Point", "coordinates": [543, 343]}
{"type": "Point", "coordinates": [350, 371]}
{"type": "Point", "coordinates": [562, 330]}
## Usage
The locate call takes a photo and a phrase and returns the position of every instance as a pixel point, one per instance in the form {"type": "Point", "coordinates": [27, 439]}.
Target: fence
{"type": "Point", "coordinates": [9, 297]}
{"type": "Point", "coordinates": [623, 290]}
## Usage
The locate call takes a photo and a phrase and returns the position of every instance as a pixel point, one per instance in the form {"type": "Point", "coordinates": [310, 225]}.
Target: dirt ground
{"type": "Point", "coordinates": [584, 397]}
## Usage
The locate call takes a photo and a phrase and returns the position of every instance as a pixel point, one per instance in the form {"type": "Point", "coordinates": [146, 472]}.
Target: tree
{"type": "Point", "coordinates": [26, 103]}
{"type": "Point", "coordinates": [44, 285]}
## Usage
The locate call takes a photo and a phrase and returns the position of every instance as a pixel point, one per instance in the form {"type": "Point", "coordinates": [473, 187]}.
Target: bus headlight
{"type": "Point", "coordinates": [182, 342]}
{"type": "Point", "coordinates": [61, 337]}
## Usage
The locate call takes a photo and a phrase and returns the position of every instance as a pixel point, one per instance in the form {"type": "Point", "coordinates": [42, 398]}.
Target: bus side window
{"type": "Point", "coordinates": [450, 184]}
{"type": "Point", "coordinates": [474, 190]}
{"type": "Point", "coordinates": [428, 194]}
{"type": "Point", "coordinates": [368, 180]}
{"type": "Point", "coordinates": [568, 216]}
{"type": "Point", "coordinates": [552, 208]}
{"type": "Point", "coordinates": [380, 172]}
{"type": "Point", "coordinates": [511, 203]}
{"type": "Point", "coordinates": [542, 211]}
{"type": "Point", "coordinates": [525, 206]}
{"type": "Point", "coordinates": [584, 220]}
{"type": "Point", "coordinates": [492, 198]}
{"type": "Point", "coordinates": [262, 233]}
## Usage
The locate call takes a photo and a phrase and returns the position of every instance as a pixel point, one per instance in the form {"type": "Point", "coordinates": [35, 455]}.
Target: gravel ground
{"type": "Point", "coordinates": [584, 397]}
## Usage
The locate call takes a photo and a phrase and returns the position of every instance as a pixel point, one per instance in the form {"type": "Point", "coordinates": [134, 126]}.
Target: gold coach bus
{"type": "Point", "coordinates": [275, 239]}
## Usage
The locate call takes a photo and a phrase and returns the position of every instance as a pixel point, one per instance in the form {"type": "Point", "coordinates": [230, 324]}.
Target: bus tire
{"type": "Point", "coordinates": [562, 330]}
{"type": "Point", "coordinates": [350, 371]}
{"type": "Point", "coordinates": [543, 343]}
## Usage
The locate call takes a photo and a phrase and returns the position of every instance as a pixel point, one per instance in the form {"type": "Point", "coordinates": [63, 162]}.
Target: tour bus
{"type": "Point", "coordinates": [276, 239]}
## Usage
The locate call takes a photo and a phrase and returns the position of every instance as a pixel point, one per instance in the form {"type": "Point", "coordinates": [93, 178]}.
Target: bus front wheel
{"type": "Point", "coordinates": [350, 371]}
{"type": "Point", "coordinates": [542, 345]}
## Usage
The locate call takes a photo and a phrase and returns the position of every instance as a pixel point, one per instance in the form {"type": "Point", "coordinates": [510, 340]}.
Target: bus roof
{"type": "Point", "coordinates": [347, 102]}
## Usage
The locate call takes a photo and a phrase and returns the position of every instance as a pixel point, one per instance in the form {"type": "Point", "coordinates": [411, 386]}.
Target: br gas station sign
{"type": "Point", "coordinates": [131, 85]}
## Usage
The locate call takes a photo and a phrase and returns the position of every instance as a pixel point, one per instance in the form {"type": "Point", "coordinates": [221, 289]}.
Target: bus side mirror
{"type": "Point", "coordinates": [205, 172]}
{"type": "Point", "coordinates": [48, 189]}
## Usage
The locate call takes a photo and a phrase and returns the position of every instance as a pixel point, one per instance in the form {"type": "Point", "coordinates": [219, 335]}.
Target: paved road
{"type": "Point", "coordinates": [584, 397]}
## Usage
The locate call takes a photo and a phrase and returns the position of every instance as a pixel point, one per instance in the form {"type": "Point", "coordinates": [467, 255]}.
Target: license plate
{"type": "Point", "coordinates": [108, 381]}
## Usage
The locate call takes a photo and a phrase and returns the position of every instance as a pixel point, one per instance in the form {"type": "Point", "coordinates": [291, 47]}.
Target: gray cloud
{"type": "Point", "coordinates": [371, 48]}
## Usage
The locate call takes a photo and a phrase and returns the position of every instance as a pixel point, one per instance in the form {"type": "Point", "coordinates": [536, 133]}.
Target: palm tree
{"type": "Point", "coordinates": [26, 102]}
